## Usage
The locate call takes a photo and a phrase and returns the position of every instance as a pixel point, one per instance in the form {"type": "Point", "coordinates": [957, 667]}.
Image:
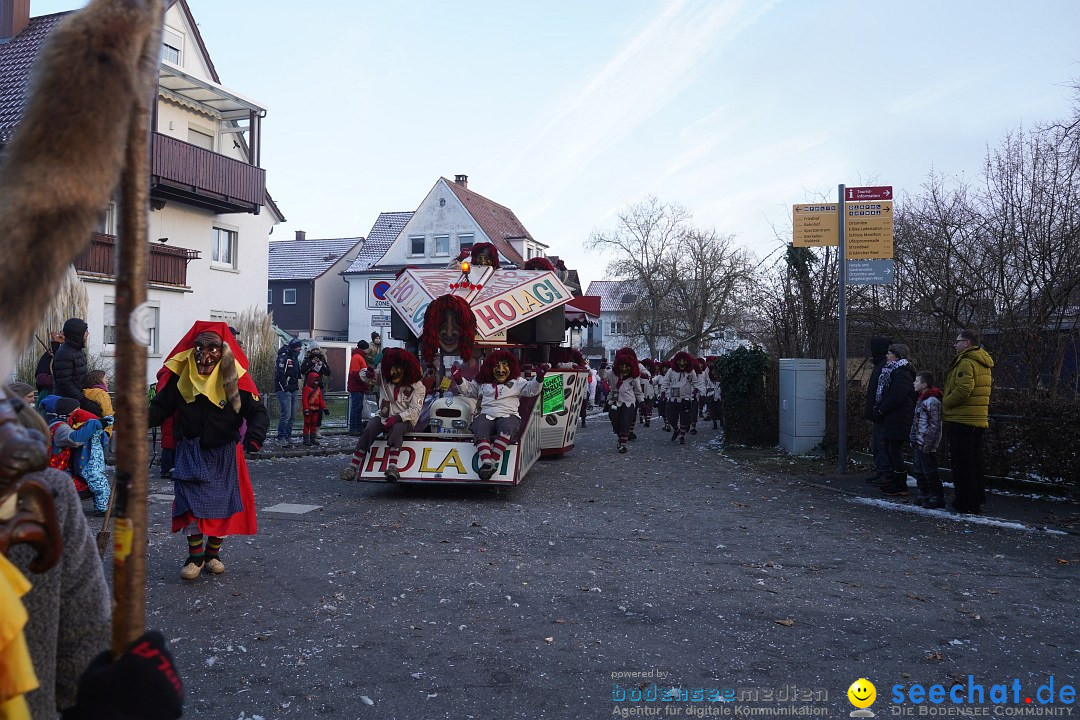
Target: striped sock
{"type": "Point", "coordinates": [213, 546]}
{"type": "Point", "coordinates": [195, 548]}
{"type": "Point", "coordinates": [498, 448]}
{"type": "Point", "coordinates": [483, 449]}
{"type": "Point", "coordinates": [391, 457]}
{"type": "Point", "coordinates": [358, 460]}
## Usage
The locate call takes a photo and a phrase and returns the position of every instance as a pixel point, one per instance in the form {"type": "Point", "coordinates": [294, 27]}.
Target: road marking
{"type": "Point", "coordinates": [292, 508]}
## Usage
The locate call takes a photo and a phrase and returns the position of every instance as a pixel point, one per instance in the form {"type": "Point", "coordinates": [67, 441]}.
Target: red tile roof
{"type": "Point", "coordinates": [498, 222]}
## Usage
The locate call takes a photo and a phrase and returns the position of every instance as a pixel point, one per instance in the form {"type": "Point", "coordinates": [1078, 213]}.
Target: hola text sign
{"type": "Point", "coordinates": [430, 460]}
{"type": "Point", "coordinates": [815, 225]}
{"type": "Point", "coordinates": [868, 230]}
{"type": "Point", "coordinates": [512, 297]}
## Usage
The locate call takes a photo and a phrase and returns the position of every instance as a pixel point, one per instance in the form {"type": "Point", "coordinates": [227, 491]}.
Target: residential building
{"type": "Point", "coordinates": [211, 216]}
{"type": "Point", "coordinates": [450, 218]}
{"type": "Point", "coordinates": [305, 291]}
{"type": "Point", "coordinates": [611, 333]}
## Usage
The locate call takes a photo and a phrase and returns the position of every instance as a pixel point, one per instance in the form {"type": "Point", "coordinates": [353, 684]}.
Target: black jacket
{"type": "Point", "coordinates": [879, 347]}
{"type": "Point", "coordinates": [69, 371]}
{"type": "Point", "coordinates": [897, 407]}
{"type": "Point", "coordinates": [213, 426]}
{"type": "Point", "coordinates": [309, 366]}
{"type": "Point", "coordinates": [286, 371]}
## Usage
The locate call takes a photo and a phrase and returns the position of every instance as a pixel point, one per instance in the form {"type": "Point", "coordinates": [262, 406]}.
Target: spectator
{"type": "Point", "coordinates": [43, 374]}
{"type": "Point", "coordinates": [96, 387]}
{"type": "Point", "coordinates": [879, 347]}
{"type": "Point", "coordinates": [894, 408]}
{"type": "Point", "coordinates": [314, 407]}
{"type": "Point", "coordinates": [69, 366]}
{"type": "Point", "coordinates": [374, 352]}
{"type": "Point", "coordinates": [925, 438]}
{"type": "Point", "coordinates": [24, 392]}
{"type": "Point", "coordinates": [358, 389]}
{"type": "Point", "coordinates": [965, 410]}
{"type": "Point", "coordinates": [286, 383]}
{"type": "Point", "coordinates": [315, 361]}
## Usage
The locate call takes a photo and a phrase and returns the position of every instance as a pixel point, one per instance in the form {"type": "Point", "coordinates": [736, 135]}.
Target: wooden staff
{"type": "Point", "coordinates": [129, 544]}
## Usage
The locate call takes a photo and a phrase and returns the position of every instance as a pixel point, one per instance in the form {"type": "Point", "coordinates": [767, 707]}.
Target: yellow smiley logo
{"type": "Point", "coordinates": [862, 693]}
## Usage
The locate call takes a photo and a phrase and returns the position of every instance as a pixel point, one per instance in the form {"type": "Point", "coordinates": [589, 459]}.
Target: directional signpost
{"type": "Point", "coordinates": [868, 228]}
{"type": "Point", "coordinates": [815, 225]}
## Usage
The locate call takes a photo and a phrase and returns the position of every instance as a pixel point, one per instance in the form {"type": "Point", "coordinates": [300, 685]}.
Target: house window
{"type": "Point", "coordinates": [269, 297]}
{"type": "Point", "coordinates": [107, 220]}
{"type": "Point", "coordinates": [442, 245]}
{"type": "Point", "coordinates": [223, 248]}
{"type": "Point", "coordinates": [200, 138]}
{"type": "Point", "coordinates": [224, 315]}
{"type": "Point", "coordinates": [172, 43]}
{"type": "Point", "coordinates": [170, 53]}
{"type": "Point", "coordinates": [528, 253]}
{"type": "Point", "coordinates": [620, 328]}
{"type": "Point", "coordinates": [416, 246]}
{"type": "Point", "coordinates": [288, 296]}
{"type": "Point", "coordinates": [465, 242]}
{"type": "Point", "coordinates": [108, 333]}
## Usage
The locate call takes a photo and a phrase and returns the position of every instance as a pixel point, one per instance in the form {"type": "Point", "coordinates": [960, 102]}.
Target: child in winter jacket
{"type": "Point", "coordinates": [314, 407]}
{"type": "Point", "coordinates": [96, 387]}
{"type": "Point", "coordinates": [88, 463]}
{"type": "Point", "coordinates": [925, 438]}
{"type": "Point", "coordinates": [65, 440]}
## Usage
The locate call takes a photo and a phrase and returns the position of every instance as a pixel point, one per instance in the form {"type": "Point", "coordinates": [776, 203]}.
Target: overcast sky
{"type": "Point", "coordinates": [569, 111]}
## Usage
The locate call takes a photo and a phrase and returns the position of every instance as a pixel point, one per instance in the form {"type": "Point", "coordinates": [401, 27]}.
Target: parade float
{"type": "Point", "coordinates": [519, 310]}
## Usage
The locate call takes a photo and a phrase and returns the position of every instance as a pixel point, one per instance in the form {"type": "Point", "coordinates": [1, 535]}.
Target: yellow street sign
{"type": "Point", "coordinates": [815, 225]}
{"type": "Point", "coordinates": [868, 230]}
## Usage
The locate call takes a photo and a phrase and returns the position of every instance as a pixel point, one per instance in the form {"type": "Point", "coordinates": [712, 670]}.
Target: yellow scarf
{"type": "Point", "coordinates": [17, 677]}
{"type": "Point", "coordinates": [191, 384]}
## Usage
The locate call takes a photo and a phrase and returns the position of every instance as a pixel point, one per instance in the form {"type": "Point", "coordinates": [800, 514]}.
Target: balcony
{"type": "Point", "coordinates": [167, 266]}
{"type": "Point", "coordinates": [193, 175]}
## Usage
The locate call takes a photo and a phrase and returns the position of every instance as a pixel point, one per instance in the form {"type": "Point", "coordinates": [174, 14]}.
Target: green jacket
{"type": "Point", "coordinates": [967, 388]}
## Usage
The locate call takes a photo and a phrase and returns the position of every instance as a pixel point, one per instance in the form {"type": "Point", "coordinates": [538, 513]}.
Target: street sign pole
{"type": "Point", "coordinates": [841, 423]}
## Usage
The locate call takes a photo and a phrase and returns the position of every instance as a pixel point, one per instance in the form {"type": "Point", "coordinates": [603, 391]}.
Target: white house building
{"type": "Point", "coordinates": [211, 216]}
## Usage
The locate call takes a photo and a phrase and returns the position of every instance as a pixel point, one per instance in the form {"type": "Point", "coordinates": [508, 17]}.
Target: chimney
{"type": "Point", "coordinates": [462, 180]}
{"type": "Point", "coordinates": [14, 14]}
{"type": "Point", "coordinates": [301, 235]}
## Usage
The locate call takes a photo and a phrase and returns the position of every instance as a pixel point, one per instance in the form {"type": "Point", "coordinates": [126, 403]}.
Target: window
{"type": "Point", "coordinates": [465, 242]}
{"type": "Point", "coordinates": [108, 333]}
{"type": "Point", "coordinates": [619, 327]}
{"type": "Point", "coordinates": [416, 246]}
{"type": "Point", "coordinates": [288, 296]}
{"type": "Point", "coordinates": [269, 297]}
{"type": "Point", "coordinates": [528, 253]}
{"type": "Point", "coordinates": [170, 53]}
{"type": "Point", "coordinates": [202, 139]}
{"type": "Point", "coordinates": [107, 220]}
{"type": "Point", "coordinates": [224, 315]}
{"type": "Point", "coordinates": [442, 245]}
{"type": "Point", "coordinates": [223, 248]}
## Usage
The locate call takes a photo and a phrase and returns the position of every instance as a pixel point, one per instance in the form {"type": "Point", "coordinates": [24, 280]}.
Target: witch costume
{"type": "Point", "coordinates": [205, 383]}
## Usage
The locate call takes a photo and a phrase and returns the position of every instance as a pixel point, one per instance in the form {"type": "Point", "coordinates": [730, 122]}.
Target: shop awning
{"type": "Point", "coordinates": [582, 311]}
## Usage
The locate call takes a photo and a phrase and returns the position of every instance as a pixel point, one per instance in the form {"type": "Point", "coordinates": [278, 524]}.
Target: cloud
{"type": "Point", "coordinates": [639, 80]}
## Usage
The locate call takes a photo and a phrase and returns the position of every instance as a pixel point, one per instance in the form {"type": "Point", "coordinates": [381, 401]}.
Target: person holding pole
{"type": "Point", "coordinates": [206, 383]}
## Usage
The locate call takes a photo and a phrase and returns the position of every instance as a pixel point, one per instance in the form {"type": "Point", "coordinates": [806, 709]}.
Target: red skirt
{"type": "Point", "coordinates": [239, 523]}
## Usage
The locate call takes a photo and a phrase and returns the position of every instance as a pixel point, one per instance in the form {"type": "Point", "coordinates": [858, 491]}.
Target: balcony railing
{"type": "Point", "coordinates": [167, 266]}
{"type": "Point", "coordinates": [191, 174]}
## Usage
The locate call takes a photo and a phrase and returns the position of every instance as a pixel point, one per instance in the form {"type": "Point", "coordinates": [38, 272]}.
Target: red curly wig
{"type": "Point", "coordinates": [539, 263]}
{"type": "Point", "coordinates": [466, 322]}
{"type": "Point", "coordinates": [683, 355]}
{"type": "Point", "coordinates": [487, 248]}
{"type": "Point", "coordinates": [403, 359]}
{"type": "Point", "coordinates": [486, 375]}
{"type": "Point", "coordinates": [630, 358]}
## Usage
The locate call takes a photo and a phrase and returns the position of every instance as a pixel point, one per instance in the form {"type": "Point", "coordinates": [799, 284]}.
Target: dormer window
{"type": "Point", "coordinates": [172, 46]}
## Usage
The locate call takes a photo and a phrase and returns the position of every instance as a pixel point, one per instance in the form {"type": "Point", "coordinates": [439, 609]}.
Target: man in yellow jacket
{"type": "Point", "coordinates": [966, 407]}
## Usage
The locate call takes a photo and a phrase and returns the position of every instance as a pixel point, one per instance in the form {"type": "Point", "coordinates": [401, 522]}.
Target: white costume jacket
{"type": "Point", "coordinates": [404, 401]}
{"type": "Point", "coordinates": [680, 386]}
{"type": "Point", "coordinates": [627, 393]}
{"type": "Point", "coordinates": [501, 400]}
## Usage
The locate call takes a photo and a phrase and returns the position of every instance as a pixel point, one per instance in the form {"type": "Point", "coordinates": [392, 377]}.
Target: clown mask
{"type": "Point", "coordinates": [449, 334]}
{"type": "Point", "coordinates": [682, 365]}
{"type": "Point", "coordinates": [501, 371]}
{"type": "Point", "coordinates": [482, 259]}
{"type": "Point", "coordinates": [622, 370]}
{"type": "Point", "coordinates": [397, 374]}
{"type": "Point", "coordinates": [207, 352]}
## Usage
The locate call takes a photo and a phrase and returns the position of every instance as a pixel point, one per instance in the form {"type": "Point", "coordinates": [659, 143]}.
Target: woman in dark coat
{"type": "Point", "coordinates": [894, 409]}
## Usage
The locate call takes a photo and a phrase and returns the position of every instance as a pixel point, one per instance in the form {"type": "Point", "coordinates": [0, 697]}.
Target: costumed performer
{"type": "Point", "coordinates": [680, 384]}
{"type": "Point", "coordinates": [205, 382]}
{"type": "Point", "coordinates": [401, 393]}
{"type": "Point", "coordinates": [500, 387]}
{"type": "Point", "coordinates": [625, 396]}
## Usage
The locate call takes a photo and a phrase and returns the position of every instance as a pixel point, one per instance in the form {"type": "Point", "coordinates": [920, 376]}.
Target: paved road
{"type": "Point", "coordinates": [404, 602]}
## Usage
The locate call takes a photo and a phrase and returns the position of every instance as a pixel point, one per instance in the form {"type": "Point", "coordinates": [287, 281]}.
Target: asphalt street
{"type": "Point", "coordinates": [604, 575]}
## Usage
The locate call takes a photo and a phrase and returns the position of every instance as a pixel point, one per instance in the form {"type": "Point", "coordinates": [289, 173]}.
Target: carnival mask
{"type": "Point", "coordinates": [681, 365]}
{"type": "Point", "coordinates": [622, 369]}
{"type": "Point", "coordinates": [397, 374]}
{"type": "Point", "coordinates": [482, 258]}
{"type": "Point", "coordinates": [449, 334]}
{"type": "Point", "coordinates": [207, 352]}
{"type": "Point", "coordinates": [501, 371]}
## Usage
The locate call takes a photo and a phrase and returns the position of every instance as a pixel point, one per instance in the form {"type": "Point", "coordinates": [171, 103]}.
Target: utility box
{"type": "Point", "coordinates": [802, 404]}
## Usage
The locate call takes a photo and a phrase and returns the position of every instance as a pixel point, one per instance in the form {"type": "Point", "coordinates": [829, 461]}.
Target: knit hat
{"type": "Point", "coordinates": [65, 406]}
{"type": "Point", "coordinates": [20, 389]}
{"type": "Point", "coordinates": [295, 344]}
{"type": "Point", "coordinates": [362, 344]}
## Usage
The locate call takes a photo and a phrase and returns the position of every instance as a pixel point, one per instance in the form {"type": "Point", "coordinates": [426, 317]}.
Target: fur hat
{"type": "Point", "coordinates": [539, 263]}
{"type": "Point", "coordinates": [466, 321]}
{"type": "Point", "coordinates": [362, 344]}
{"type": "Point", "coordinates": [403, 359]}
{"type": "Point", "coordinates": [487, 370]}
{"type": "Point", "coordinates": [488, 249]}
{"type": "Point", "coordinates": [627, 350]}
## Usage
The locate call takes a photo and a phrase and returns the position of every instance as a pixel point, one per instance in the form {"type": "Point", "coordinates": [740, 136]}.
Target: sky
{"type": "Point", "coordinates": [569, 111]}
